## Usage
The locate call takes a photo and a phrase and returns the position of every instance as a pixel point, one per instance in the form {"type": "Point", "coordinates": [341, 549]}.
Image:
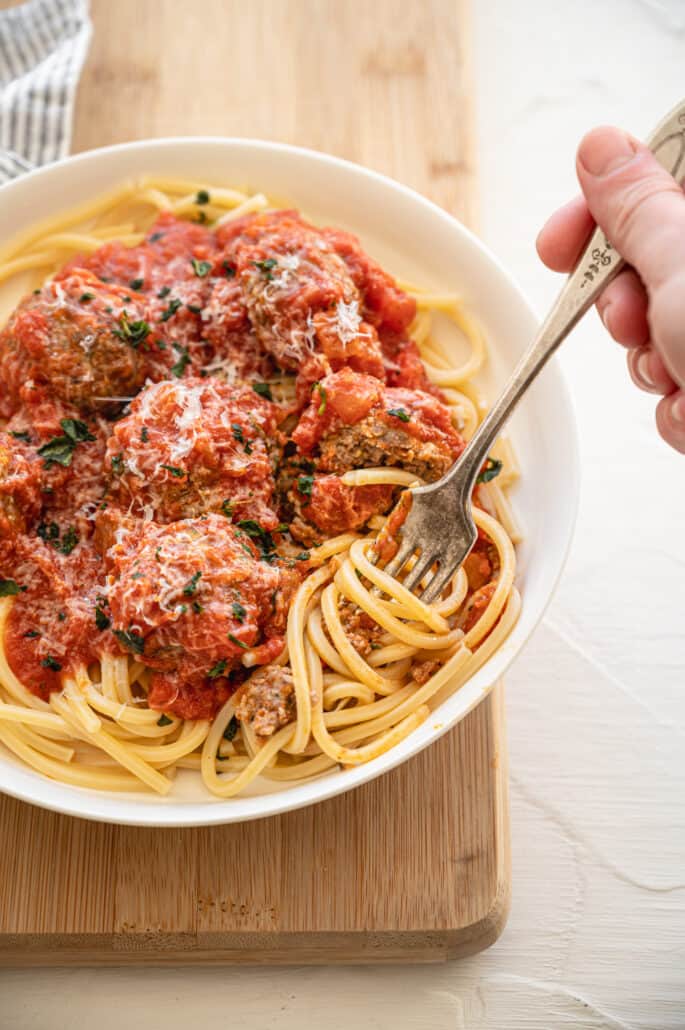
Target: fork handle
{"type": "Point", "coordinates": [598, 265]}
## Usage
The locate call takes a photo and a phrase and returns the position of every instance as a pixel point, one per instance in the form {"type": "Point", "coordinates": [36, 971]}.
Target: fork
{"type": "Point", "coordinates": [439, 529]}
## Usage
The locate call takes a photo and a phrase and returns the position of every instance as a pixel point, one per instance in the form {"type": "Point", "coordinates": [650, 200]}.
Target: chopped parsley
{"type": "Point", "coordinates": [400, 413]}
{"type": "Point", "coordinates": [118, 464]}
{"type": "Point", "coordinates": [156, 236]}
{"type": "Point", "coordinates": [136, 284]}
{"type": "Point", "coordinates": [322, 395]}
{"type": "Point", "coordinates": [102, 621]}
{"type": "Point", "coordinates": [8, 588]}
{"type": "Point", "coordinates": [239, 643]}
{"type": "Point", "coordinates": [195, 308]}
{"type": "Point", "coordinates": [164, 292]}
{"type": "Point", "coordinates": [201, 268]}
{"type": "Point", "coordinates": [238, 611]}
{"type": "Point", "coordinates": [218, 670]}
{"type": "Point", "coordinates": [265, 267]}
{"type": "Point", "coordinates": [60, 450]}
{"type": "Point", "coordinates": [263, 389]}
{"type": "Point", "coordinates": [183, 361]}
{"type": "Point", "coordinates": [202, 197]}
{"type": "Point", "coordinates": [132, 333]}
{"type": "Point", "coordinates": [85, 298]}
{"type": "Point", "coordinates": [229, 270]}
{"type": "Point", "coordinates": [303, 556]}
{"type": "Point", "coordinates": [61, 616]}
{"type": "Point", "coordinates": [68, 542]}
{"type": "Point", "coordinates": [231, 730]}
{"type": "Point", "coordinates": [51, 663]}
{"type": "Point", "coordinates": [32, 634]}
{"type": "Point", "coordinates": [164, 720]}
{"type": "Point", "coordinates": [130, 640]}
{"type": "Point", "coordinates": [201, 218]}
{"type": "Point", "coordinates": [191, 586]}
{"type": "Point", "coordinates": [491, 470]}
{"type": "Point", "coordinates": [227, 508]}
{"type": "Point", "coordinates": [262, 538]}
{"type": "Point", "coordinates": [197, 608]}
{"type": "Point", "coordinates": [304, 485]}
{"type": "Point", "coordinates": [23, 435]}
{"type": "Point", "coordinates": [144, 435]}
{"type": "Point", "coordinates": [171, 309]}
{"type": "Point", "coordinates": [237, 432]}
{"type": "Point", "coordinates": [179, 473]}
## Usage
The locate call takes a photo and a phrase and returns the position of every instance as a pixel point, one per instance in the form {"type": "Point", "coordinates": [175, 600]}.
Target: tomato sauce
{"type": "Point", "coordinates": [144, 500]}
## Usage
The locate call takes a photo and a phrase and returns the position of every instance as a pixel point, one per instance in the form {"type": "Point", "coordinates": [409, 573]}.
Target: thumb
{"type": "Point", "coordinates": [640, 207]}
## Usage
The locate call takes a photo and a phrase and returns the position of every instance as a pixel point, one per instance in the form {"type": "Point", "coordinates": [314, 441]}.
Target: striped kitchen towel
{"type": "Point", "coordinates": [43, 44]}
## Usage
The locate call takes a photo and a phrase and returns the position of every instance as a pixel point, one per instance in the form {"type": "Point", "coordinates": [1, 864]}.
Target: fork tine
{"type": "Point", "coordinates": [439, 581]}
{"type": "Point", "coordinates": [406, 549]}
{"type": "Point", "coordinates": [415, 575]}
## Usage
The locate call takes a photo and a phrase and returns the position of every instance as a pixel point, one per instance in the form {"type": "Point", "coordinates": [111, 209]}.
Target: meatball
{"type": "Point", "coordinates": [322, 506]}
{"type": "Point", "coordinates": [267, 700]}
{"type": "Point", "coordinates": [193, 446]}
{"type": "Point", "coordinates": [20, 486]}
{"type": "Point", "coordinates": [299, 295]}
{"type": "Point", "coordinates": [189, 600]}
{"type": "Point", "coordinates": [353, 422]}
{"type": "Point", "coordinates": [85, 341]}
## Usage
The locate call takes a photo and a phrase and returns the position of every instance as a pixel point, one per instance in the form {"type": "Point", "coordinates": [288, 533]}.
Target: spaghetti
{"type": "Point", "coordinates": [211, 407]}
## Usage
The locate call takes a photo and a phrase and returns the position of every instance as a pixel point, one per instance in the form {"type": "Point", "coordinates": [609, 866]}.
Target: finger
{"type": "Point", "coordinates": [670, 419]}
{"type": "Point", "coordinates": [648, 371]}
{"type": "Point", "coordinates": [640, 207]}
{"type": "Point", "coordinates": [667, 320]}
{"type": "Point", "coordinates": [623, 309]}
{"type": "Point", "coordinates": [563, 236]}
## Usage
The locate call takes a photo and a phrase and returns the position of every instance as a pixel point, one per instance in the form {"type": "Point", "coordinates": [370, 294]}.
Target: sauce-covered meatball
{"type": "Point", "coordinates": [193, 446]}
{"type": "Point", "coordinates": [85, 341]}
{"type": "Point", "coordinates": [190, 600]}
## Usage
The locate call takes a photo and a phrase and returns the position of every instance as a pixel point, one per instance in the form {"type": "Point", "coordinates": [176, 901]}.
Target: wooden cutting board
{"type": "Point", "coordinates": [414, 866]}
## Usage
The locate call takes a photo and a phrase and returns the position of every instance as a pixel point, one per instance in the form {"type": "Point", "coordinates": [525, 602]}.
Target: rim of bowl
{"type": "Point", "coordinates": [129, 811]}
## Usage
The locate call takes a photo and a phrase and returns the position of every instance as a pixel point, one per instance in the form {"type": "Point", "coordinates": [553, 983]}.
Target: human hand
{"type": "Point", "coordinates": [641, 208]}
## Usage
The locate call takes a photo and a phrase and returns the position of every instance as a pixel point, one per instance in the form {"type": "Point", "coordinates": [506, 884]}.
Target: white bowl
{"type": "Point", "coordinates": [416, 240]}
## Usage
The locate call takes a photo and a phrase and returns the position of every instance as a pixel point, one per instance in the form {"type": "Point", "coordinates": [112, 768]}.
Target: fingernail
{"type": "Point", "coordinates": [642, 372]}
{"type": "Point", "coordinates": [602, 151]}
{"type": "Point", "coordinates": [678, 412]}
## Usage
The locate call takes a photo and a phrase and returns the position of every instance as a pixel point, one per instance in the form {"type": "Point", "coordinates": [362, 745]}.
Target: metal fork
{"type": "Point", "coordinates": [439, 529]}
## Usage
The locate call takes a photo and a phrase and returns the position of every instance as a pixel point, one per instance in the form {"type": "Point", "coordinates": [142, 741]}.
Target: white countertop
{"type": "Point", "coordinates": [596, 704]}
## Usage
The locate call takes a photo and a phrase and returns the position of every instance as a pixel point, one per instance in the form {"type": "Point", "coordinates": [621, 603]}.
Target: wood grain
{"type": "Point", "coordinates": [415, 865]}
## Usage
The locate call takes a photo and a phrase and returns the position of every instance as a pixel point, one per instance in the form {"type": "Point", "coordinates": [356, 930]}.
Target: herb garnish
{"type": "Point", "coordinates": [155, 237]}
{"type": "Point", "coordinates": [492, 469]}
{"type": "Point", "coordinates": [164, 720]}
{"type": "Point", "coordinates": [22, 435]}
{"type": "Point", "coordinates": [131, 640]}
{"type": "Point", "coordinates": [262, 538]}
{"type": "Point", "coordinates": [136, 284]}
{"type": "Point", "coordinates": [265, 267]}
{"type": "Point", "coordinates": [304, 485]}
{"type": "Point", "coordinates": [202, 197]}
{"type": "Point", "coordinates": [60, 450]}
{"type": "Point", "coordinates": [201, 268]}
{"type": "Point", "coordinates": [195, 308]}
{"type": "Point", "coordinates": [32, 634]}
{"type": "Point", "coordinates": [85, 298]}
{"type": "Point", "coordinates": [8, 588]}
{"type": "Point", "coordinates": [229, 269]}
{"type": "Point", "coordinates": [400, 413]}
{"type": "Point", "coordinates": [171, 309]}
{"type": "Point", "coordinates": [263, 389]}
{"type": "Point", "coordinates": [322, 394]}
{"type": "Point", "coordinates": [184, 360]}
{"type": "Point", "coordinates": [227, 508]}
{"type": "Point", "coordinates": [102, 621]}
{"type": "Point", "coordinates": [164, 292]}
{"type": "Point", "coordinates": [144, 435]}
{"type": "Point", "coordinates": [179, 473]}
{"type": "Point", "coordinates": [239, 611]}
{"type": "Point", "coordinates": [51, 663]}
{"type": "Point", "coordinates": [118, 464]}
{"type": "Point", "coordinates": [191, 586]}
{"type": "Point", "coordinates": [132, 333]}
{"type": "Point", "coordinates": [218, 670]}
